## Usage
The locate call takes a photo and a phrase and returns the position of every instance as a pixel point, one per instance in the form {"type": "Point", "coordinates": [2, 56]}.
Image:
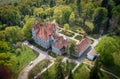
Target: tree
{"type": "Point", "coordinates": [14, 34]}
{"type": "Point", "coordinates": [108, 4]}
{"type": "Point", "coordinates": [52, 3]}
{"type": "Point", "coordinates": [59, 2]}
{"type": "Point", "coordinates": [62, 13]}
{"type": "Point", "coordinates": [72, 18]}
{"type": "Point", "coordinates": [7, 59]}
{"type": "Point", "coordinates": [40, 12]}
{"type": "Point", "coordinates": [100, 19]}
{"type": "Point", "coordinates": [79, 6]}
{"type": "Point", "coordinates": [28, 27]}
{"type": "Point", "coordinates": [3, 46]}
{"type": "Point", "coordinates": [104, 3]}
{"type": "Point", "coordinates": [25, 9]}
{"type": "Point", "coordinates": [2, 35]}
{"type": "Point", "coordinates": [65, 16]}
{"type": "Point", "coordinates": [66, 27]}
{"type": "Point", "coordinates": [115, 22]}
{"type": "Point", "coordinates": [95, 70]}
{"type": "Point", "coordinates": [71, 49]}
{"type": "Point", "coordinates": [59, 69]}
{"type": "Point", "coordinates": [5, 73]}
{"type": "Point", "coordinates": [9, 15]}
{"type": "Point", "coordinates": [87, 11]}
{"type": "Point", "coordinates": [70, 76]}
{"type": "Point", "coordinates": [49, 12]}
{"type": "Point", "coordinates": [117, 2]}
{"type": "Point", "coordinates": [106, 55]}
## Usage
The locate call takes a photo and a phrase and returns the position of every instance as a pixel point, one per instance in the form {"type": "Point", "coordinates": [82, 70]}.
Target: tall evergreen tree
{"type": "Point", "coordinates": [59, 69]}
{"type": "Point", "coordinates": [100, 19]}
{"type": "Point", "coordinates": [95, 70]}
{"type": "Point", "coordinates": [52, 3]}
{"type": "Point", "coordinates": [70, 76]}
{"type": "Point", "coordinates": [104, 3]}
{"type": "Point", "coordinates": [71, 49]}
{"type": "Point", "coordinates": [117, 2]}
{"type": "Point", "coordinates": [79, 6]}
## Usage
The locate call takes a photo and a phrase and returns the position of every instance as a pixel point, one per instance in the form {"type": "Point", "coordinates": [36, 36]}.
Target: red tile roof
{"type": "Point", "coordinates": [60, 43]}
{"type": "Point", "coordinates": [83, 44]}
{"type": "Point", "coordinates": [55, 36]}
{"type": "Point", "coordinates": [46, 31]}
{"type": "Point", "coordinates": [36, 26]}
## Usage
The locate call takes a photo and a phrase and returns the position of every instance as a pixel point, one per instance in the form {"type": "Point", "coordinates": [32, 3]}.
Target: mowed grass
{"type": "Point", "coordinates": [51, 71]}
{"type": "Point", "coordinates": [84, 72]}
{"type": "Point", "coordinates": [23, 59]}
{"type": "Point", "coordinates": [38, 68]}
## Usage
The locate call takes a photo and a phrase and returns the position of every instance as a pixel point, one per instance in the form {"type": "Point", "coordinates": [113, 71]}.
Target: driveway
{"type": "Point", "coordinates": [42, 55]}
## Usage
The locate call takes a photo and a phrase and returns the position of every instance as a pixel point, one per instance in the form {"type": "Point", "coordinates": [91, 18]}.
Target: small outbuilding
{"type": "Point", "coordinates": [91, 55]}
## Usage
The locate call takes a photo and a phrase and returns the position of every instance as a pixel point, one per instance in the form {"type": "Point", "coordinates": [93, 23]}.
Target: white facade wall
{"type": "Point", "coordinates": [90, 57]}
{"type": "Point", "coordinates": [40, 41]}
{"type": "Point", "coordinates": [56, 50]}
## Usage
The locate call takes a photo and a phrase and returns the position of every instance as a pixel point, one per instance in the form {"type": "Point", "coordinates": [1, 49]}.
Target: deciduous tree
{"type": "Point", "coordinates": [66, 27]}
{"type": "Point", "coordinates": [100, 19]}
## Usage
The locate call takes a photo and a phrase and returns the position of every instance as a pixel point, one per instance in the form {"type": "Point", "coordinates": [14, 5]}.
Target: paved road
{"type": "Point", "coordinates": [42, 55]}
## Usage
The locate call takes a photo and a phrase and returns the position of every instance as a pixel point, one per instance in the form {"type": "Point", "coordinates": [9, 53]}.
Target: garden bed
{"type": "Point", "coordinates": [72, 41]}
{"type": "Point", "coordinates": [67, 33]}
{"type": "Point", "coordinates": [78, 37]}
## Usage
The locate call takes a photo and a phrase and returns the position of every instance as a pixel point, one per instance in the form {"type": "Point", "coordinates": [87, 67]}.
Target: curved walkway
{"type": "Point", "coordinates": [42, 55]}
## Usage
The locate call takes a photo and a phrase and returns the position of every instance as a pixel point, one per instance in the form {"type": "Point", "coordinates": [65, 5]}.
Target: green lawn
{"type": "Point", "coordinates": [67, 33]}
{"type": "Point", "coordinates": [78, 37]}
{"type": "Point", "coordinates": [38, 68]}
{"type": "Point", "coordinates": [84, 72]}
{"type": "Point", "coordinates": [51, 72]}
{"type": "Point", "coordinates": [25, 56]}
